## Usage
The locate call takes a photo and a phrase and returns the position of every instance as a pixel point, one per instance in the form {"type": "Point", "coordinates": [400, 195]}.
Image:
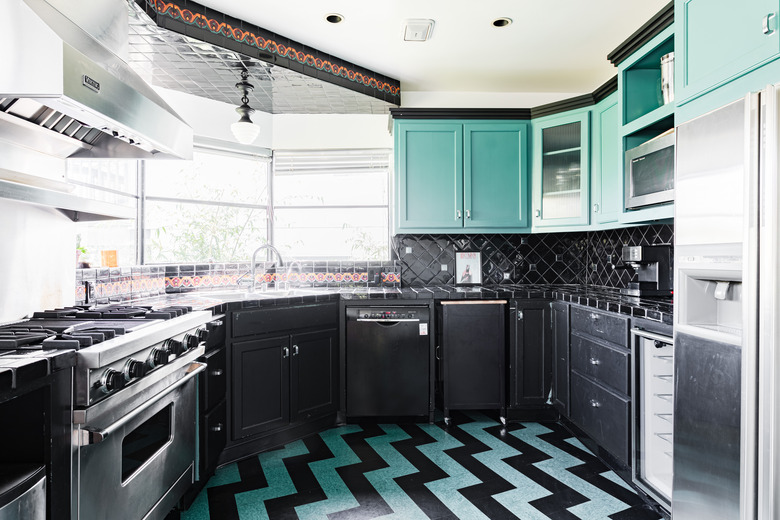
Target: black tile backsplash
{"type": "Point", "coordinates": [546, 258]}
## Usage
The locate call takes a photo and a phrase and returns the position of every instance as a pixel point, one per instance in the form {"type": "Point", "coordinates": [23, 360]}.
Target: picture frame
{"type": "Point", "coordinates": [468, 268]}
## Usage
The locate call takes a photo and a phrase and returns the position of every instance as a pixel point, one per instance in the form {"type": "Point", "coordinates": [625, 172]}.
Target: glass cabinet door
{"type": "Point", "coordinates": [561, 196]}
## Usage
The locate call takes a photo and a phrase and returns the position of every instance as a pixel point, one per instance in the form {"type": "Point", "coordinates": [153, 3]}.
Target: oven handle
{"type": "Point", "coordinates": [95, 435]}
{"type": "Point", "coordinates": [651, 335]}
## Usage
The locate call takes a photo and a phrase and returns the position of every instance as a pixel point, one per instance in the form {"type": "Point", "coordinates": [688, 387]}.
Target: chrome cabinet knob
{"type": "Point", "coordinates": [217, 372]}
{"type": "Point", "coordinates": [594, 361]}
{"type": "Point", "coordinates": [594, 403]}
{"type": "Point", "coordinates": [217, 427]}
{"type": "Point", "coordinates": [537, 213]}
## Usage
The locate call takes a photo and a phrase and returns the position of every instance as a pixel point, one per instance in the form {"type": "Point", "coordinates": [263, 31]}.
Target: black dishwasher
{"type": "Point", "coordinates": [388, 361]}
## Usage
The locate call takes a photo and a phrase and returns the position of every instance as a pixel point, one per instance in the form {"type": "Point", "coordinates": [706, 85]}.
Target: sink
{"type": "Point", "coordinates": [258, 295]}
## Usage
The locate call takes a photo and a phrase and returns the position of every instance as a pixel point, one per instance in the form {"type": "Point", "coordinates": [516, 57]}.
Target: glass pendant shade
{"type": "Point", "coordinates": [244, 130]}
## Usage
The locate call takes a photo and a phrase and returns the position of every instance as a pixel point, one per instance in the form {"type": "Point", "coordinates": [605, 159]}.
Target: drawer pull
{"type": "Point", "coordinates": [594, 403]}
{"type": "Point", "coordinates": [217, 427]}
{"type": "Point", "coordinates": [594, 316]}
{"type": "Point", "coordinates": [216, 372]}
{"type": "Point", "coordinates": [594, 361]}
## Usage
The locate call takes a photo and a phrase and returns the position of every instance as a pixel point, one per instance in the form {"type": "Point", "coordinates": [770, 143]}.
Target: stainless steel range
{"type": "Point", "coordinates": [134, 402]}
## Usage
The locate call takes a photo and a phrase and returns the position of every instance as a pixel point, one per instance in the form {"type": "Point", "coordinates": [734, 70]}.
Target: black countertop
{"type": "Point", "coordinates": [603, 298]}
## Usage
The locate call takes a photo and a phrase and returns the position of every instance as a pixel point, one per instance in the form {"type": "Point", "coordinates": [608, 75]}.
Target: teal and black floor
{"type": "Point", "coordinates": [474, 469]}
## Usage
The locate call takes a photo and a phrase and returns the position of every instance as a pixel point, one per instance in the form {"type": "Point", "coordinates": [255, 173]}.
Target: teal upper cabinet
{"type": "Point", "coordinates": [606, 196]}
{"type": "Point", "coordinates": [430, 175]}
{"type": "Point", "coordinates": [561, 163]}
{"type": "Point", "coordinates": [719, 40]}
{"type": "Point", "coordinates": [465, 176]}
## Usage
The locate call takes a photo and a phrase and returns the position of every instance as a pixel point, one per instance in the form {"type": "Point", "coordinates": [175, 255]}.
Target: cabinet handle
{"type": "Point", "coordinates": [594, 361]}
{"type": "Point", "coordinates": [217, 372]}
{"type": "Point", "coordinates": [217, 427]}
{"type": "Point", "coordinates": [437, 352]}
{"type": "Point", "coordinates": [595, 208]}
{"type": "Point", "coordinates": [594, 403]}
{"type": "Point", "coordinates": [468, 213]}
{"type": "Point", "coordinates": [594, 316]}
{"type": "Point", "coordinates": [285, 352]}
{"type": "Point", "coordinates": [538, 213]}
{"type": "Point", "coordinates": [295, 350]}
{"type": "Point", "coordinates": [768, 18]}
{"type": "Point", "coordinates": [519, 315]}
{"type": "Point", "coordinates": [457, 214]}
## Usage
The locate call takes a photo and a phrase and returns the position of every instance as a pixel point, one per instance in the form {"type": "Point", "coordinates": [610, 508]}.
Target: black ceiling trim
{"type": "Point", "coordinates": [609, 87]}
{"type": "Point", "coordinates": [644, 34]}
{"type": "Point", "coordinates": [565, 105]}
{"type": "Point", "coordinates": [196, 21]}
{"type": "Point", "coordinates": [460, 113]}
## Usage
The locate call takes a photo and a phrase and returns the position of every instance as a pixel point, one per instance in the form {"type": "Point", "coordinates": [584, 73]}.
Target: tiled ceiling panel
{"type": "Point", "coordinates": [178, 62]}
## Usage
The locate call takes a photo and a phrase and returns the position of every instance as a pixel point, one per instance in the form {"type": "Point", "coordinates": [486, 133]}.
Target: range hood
{"type": "Point", "coordinates": [65, 93]}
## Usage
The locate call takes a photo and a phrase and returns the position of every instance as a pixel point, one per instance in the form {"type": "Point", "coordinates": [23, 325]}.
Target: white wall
{"type": "Point", "coordinates": [331, 131]}
{"type": "Point", "coordinates": [37, 266]}
{"type": "Point", "coordinates": [212, 119]}
{"type": "Point", "coordinates": [481, 99]}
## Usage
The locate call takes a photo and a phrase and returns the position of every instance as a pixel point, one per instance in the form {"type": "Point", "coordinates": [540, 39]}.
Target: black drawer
{"type": "Point", "coordinates": [214, 380]}
{"type": "Point", "coordinates": [213, 434]}
{"type": "Point", "coordinates": [611, 366]}
{"type": "Point", "coordinates": [276, 319]}
{"type": "Point", "coordinates": [602, 414]}
{"type": "Point", "coordinates": [599, 324]}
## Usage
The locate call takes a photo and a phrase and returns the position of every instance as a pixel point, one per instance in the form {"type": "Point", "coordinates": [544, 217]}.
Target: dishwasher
{"type": "Point", "coordinates": [388, 361]}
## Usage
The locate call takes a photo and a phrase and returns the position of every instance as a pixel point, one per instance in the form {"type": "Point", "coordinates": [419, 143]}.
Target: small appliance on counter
{"type": "Point", "coordinates": [653, 266]}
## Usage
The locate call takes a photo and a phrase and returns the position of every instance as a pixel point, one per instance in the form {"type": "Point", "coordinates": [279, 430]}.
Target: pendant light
{"type": "Point", "coordinates": [244, 130]}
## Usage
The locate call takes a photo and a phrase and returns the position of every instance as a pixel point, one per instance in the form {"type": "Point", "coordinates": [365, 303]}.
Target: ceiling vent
{"type": "Point", "coordinates": [417, 30]}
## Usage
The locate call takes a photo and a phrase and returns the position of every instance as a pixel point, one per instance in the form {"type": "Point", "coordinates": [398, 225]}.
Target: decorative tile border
{"type": "Point", "coordinates": [190, 18]}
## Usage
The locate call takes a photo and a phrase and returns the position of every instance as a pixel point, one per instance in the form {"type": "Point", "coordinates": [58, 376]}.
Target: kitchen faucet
{"type": "Point", "coordinates": [289, 271]}
{"type": "Point", "coordinates": [254, 262]}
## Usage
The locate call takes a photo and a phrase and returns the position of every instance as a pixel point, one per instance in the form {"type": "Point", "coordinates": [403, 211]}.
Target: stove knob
{"type": "Point", "coordinates": [203, 334]}
{"type": "Point", "coordinates": [111, 380]}
{"type": "Point", "coordinates": [134, 369]}
{"type": "Point", "coordinates": [174, 346]}
{"type": "Point", "coordinates": [191, 341]}
{"type": "Point", "coordinates": [157, 357]}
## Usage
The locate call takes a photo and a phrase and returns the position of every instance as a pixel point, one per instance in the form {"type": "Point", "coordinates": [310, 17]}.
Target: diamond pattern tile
{"type": "Point", "coordinates": [174, 61]}
{"type": "Point", "coordinates": [550, 258]}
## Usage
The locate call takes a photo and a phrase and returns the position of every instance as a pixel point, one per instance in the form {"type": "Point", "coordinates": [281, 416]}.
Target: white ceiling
{"type": "Point", "coordinates": [551, 46]}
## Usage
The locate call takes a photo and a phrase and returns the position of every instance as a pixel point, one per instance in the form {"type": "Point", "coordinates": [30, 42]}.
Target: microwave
{"type": "Point", "coordinates": [649, 173]}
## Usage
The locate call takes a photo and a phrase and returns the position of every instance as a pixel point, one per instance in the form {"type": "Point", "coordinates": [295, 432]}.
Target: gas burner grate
{"type": "Point", "coordinates": [14, 338]}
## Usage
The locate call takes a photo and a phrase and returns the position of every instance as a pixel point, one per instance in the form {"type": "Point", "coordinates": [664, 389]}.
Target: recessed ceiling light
{"type": "Point", "coordinates": [502, 22]}
{"type": "Point", "coordinates": [334, 18]}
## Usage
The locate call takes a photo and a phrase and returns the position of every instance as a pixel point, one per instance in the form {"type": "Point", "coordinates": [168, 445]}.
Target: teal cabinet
{"type": "Point", "coordinates": [430, 176]}
{"type": "Point", "coordinates": [466, 176]}
{"type": "Point", "coordinates": [720, 40]}
{"type": "Point", "coordinates": [561, 165]}
{"type": "Point", "coordinates": [606, 186]}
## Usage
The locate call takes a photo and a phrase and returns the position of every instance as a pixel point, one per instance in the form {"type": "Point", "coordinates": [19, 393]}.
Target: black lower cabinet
{"type": "Point", "coordinates": [560, 350]}
{"type": "Point", "coordinates": [471, 355]}
{"type": "Point", "coordinates": [530, 357]}
{"type": "Point", "coordinates": [314, 382]}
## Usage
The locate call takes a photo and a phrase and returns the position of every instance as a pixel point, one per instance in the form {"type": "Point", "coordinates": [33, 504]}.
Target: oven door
{"type": "Point", "coordinates": [139, 465]}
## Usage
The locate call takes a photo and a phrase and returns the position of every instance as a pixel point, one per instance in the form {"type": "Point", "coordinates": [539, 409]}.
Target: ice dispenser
{"type": "Point", "coordinates": [712, 301]}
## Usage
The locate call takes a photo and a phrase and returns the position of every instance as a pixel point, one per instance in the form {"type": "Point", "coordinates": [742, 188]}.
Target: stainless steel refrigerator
{"type": "Point", "coordinates": [726, 416]}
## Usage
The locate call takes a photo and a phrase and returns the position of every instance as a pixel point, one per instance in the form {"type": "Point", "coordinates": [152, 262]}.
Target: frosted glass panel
{"type": "Point", "coordinates": [561, 169]}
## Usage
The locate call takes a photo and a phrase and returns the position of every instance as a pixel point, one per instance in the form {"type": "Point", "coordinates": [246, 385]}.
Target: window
{"type": "Point", "coordinates": [114, 181]}
{"type": "Point", "coordinates": [219, 207]}
{"type": "Point", "coordinates": [332, 204]}
{"type": "Point", "coordinates": [211, 209]}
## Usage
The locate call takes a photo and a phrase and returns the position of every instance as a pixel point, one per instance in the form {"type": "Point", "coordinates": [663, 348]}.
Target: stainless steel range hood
{"type": "Point", "coordinates": [64, 93]}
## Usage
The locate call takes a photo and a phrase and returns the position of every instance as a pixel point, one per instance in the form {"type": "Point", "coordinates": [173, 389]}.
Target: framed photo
{"type": "Point", "coordinates": [468, 268]}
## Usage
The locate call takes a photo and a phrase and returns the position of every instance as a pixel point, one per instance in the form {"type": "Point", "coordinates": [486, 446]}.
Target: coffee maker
{"type": "Point", "coordinates": [654, 268]}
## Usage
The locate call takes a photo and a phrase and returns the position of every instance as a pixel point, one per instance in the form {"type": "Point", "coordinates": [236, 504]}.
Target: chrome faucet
{"type": "Point", "coordinates": [289, 271]}
{"type": "Point", "coordinates": [254, 262]}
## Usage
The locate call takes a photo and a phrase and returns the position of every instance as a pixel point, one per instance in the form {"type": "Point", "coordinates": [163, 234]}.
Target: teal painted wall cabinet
{"type": "Point", "coordinates": [606, 160]}
{"type": "Point", "coordinates": [720, 40]}
{"type": "Point", "coordinates": [464, 176]}
{"type": "Point", "coordinates": [561, 169]}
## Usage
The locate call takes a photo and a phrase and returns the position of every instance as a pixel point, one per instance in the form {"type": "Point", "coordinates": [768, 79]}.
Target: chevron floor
{"type": "Point", "coordinates": [474, 469]}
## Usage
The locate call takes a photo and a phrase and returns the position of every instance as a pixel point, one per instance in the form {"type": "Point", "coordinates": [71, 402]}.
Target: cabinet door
{"type": "Point", "coordinates": [260, 385]}
{"type": "Point", "coordinates": [314, 374]}
{"type": "Point", "coordinates": [494, 181]}
{"type": "Point", "coordinates": [607, 195]}
{"type": "Point", "coordinates": [560, 347]}
{"type": "Point", "coordinates": [561, 171]}
{"type": "Point", "coordinates": [719, 40]}
{"type": "Point", "coordinates": [530, 353]}
{"type": "Point", "coordinates": [473, 352]}
{"type": "Point", "coordinates": [430, 175]}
